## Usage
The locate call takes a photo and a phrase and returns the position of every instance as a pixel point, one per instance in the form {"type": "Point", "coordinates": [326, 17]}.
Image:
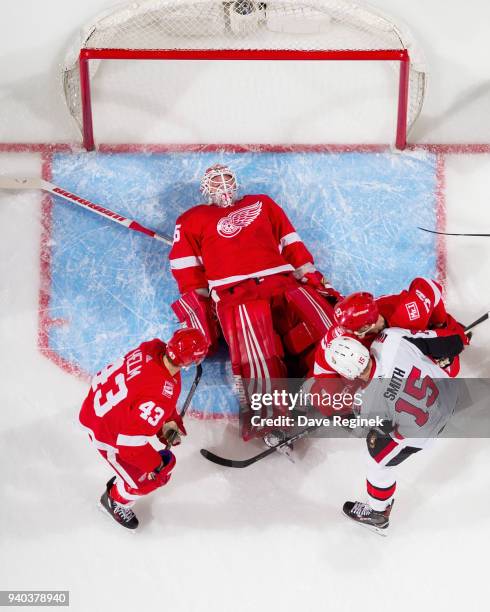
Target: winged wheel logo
{"type": "Point", "coordinates": [233, 223]}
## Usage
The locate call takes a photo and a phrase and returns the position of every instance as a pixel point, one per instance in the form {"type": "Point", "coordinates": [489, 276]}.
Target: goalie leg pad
{"type": "Point", "coordinates": [255, 351]}
{"type": "Point", "coordinates": [254, 347]}
{"type": "Point", "coordinates": [316, 317]}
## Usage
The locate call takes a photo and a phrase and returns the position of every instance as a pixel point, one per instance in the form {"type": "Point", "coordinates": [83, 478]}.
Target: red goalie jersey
{"type": "Point", "coordinates": [218, 247]}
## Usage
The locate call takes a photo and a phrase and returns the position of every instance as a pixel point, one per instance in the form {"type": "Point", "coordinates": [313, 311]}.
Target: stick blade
{"type": "Point", "coordinates": [10, 182]}
{"type": "Point", "coordinates": [236, 463]}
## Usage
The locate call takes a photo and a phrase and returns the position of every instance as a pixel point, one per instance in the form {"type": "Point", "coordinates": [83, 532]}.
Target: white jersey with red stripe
{"type": "Point", "coordinates": [408, 388]}
{"type": "Point", "coordinates": [216, 247]}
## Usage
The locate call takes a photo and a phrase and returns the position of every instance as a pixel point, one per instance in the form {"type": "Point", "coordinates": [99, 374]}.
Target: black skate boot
{"type": "Point", "coordinates": [364, 515]}
{"type": "Point", "coordinates": [122, 514]}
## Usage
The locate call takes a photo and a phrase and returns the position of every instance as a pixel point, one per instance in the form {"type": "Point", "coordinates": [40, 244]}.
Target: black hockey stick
{"type": "Point", "coordinates": [477, 322]}
{"type": "Point", "coordinates": [172, 435]}
{"type": "Point", "coordinates": [424, 229]}
{"type": "Point", "coordinates": [243, 463]}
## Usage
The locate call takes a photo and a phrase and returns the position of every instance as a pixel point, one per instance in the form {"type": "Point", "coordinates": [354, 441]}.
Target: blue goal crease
{"type": "Point", "coordinates": [356, 212]}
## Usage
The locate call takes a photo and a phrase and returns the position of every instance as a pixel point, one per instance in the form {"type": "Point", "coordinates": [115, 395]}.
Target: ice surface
{"type": "Point", "coordinates": [110, 288]}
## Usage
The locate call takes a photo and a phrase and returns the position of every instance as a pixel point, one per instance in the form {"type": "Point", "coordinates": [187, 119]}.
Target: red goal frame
{"type": "Point", "coordinates": [400, 55]}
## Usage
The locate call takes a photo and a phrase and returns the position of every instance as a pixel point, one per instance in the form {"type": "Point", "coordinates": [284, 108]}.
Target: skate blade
{"type": "Point", "coordinates": [371, 528]}
{"type": "Point", "coordinates": [115, 523]}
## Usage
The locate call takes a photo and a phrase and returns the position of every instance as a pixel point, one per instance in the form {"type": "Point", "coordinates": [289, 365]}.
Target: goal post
{"type": "Point", "coordinates": [244, 30]}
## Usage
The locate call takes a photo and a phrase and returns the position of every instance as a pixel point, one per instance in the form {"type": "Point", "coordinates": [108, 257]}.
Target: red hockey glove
{"type": "Point", "coordinates": [455, 327]}
{"type": "Point", "coordinates": [322, 285]}
{"type": "Point", "coordinates": [172, 431]}
{"type": "Point", "coordinates": [161, 474]}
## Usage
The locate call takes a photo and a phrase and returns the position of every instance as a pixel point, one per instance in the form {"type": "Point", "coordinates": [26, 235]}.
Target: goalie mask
{"type": "Point", "coordinates": [219, 185]}
{"type": "Point", "coordinates": [347, 356]}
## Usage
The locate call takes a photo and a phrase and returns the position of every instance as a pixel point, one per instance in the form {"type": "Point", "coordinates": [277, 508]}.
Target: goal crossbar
{"type": "Point", "coordinates": [246, 54]}
{"type": "Point", "coordinates": [400, 55]}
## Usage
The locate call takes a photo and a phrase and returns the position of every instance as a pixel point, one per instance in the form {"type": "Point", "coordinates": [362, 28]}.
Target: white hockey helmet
{"type": "Point", "coordinates": [347, 356]}
{"type": "Point", "coordinates": [219, 185]}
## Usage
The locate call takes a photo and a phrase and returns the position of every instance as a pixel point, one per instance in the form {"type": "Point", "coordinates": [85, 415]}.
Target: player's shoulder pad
{"type": "Point", "coordinates": [428, 285]}
{"type": "Point", "coordinates": [251, 198]}
{"type": "Point", "coordinates": [397, 335]}
{"type": "Point", "coordinates": [392, 334]}
{"type": "Point", "coordinates": [192, 213]}
{"type": "Point", "coordinates": [265, 198]}
{"type": "Point", "coordinates": [153, 347]}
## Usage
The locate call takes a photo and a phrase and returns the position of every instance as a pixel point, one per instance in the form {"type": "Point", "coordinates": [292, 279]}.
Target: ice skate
{"type": "Point", "coordinates": [122, 514]}
{"type": "Point", "coordinates": [364, 515]}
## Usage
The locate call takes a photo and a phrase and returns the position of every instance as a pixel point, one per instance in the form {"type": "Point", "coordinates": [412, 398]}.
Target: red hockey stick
{"type": "Point", "coordinates": [7, 182]}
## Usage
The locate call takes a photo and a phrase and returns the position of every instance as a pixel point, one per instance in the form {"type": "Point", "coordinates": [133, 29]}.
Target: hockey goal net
{"type": "Point", "coordinates": [246, 30]}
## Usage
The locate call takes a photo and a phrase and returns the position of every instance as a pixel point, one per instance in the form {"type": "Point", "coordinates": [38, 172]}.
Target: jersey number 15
{"type": "Point", "coordinates": [419, 390]}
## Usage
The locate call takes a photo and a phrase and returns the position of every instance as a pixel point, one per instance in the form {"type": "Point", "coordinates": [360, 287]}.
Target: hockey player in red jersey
{"type": "Point", "coordinates": [411, 396]}
{"type": "Point", "coordinates": [419, 307]}
{"type": "Point", "coordinates": [362, 316]}
{"type": "Point", "coordinates": [130, 402]}
{"type": "Point", "coordinates": [243, 259]}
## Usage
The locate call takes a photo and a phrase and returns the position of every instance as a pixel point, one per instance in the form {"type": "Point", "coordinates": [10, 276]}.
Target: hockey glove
{"type": "Point", "coordinates": [322, 285]}
{"type": "Point", "coordinates": [453, 326]}
{"type": "Point", "coordinates": [171, 432]}
{"type": "Point", "coordinates": [161, 474]}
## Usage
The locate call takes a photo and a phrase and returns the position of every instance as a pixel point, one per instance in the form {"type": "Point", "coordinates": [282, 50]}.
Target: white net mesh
{"type": "Point", "coordinates": [244, 24]}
